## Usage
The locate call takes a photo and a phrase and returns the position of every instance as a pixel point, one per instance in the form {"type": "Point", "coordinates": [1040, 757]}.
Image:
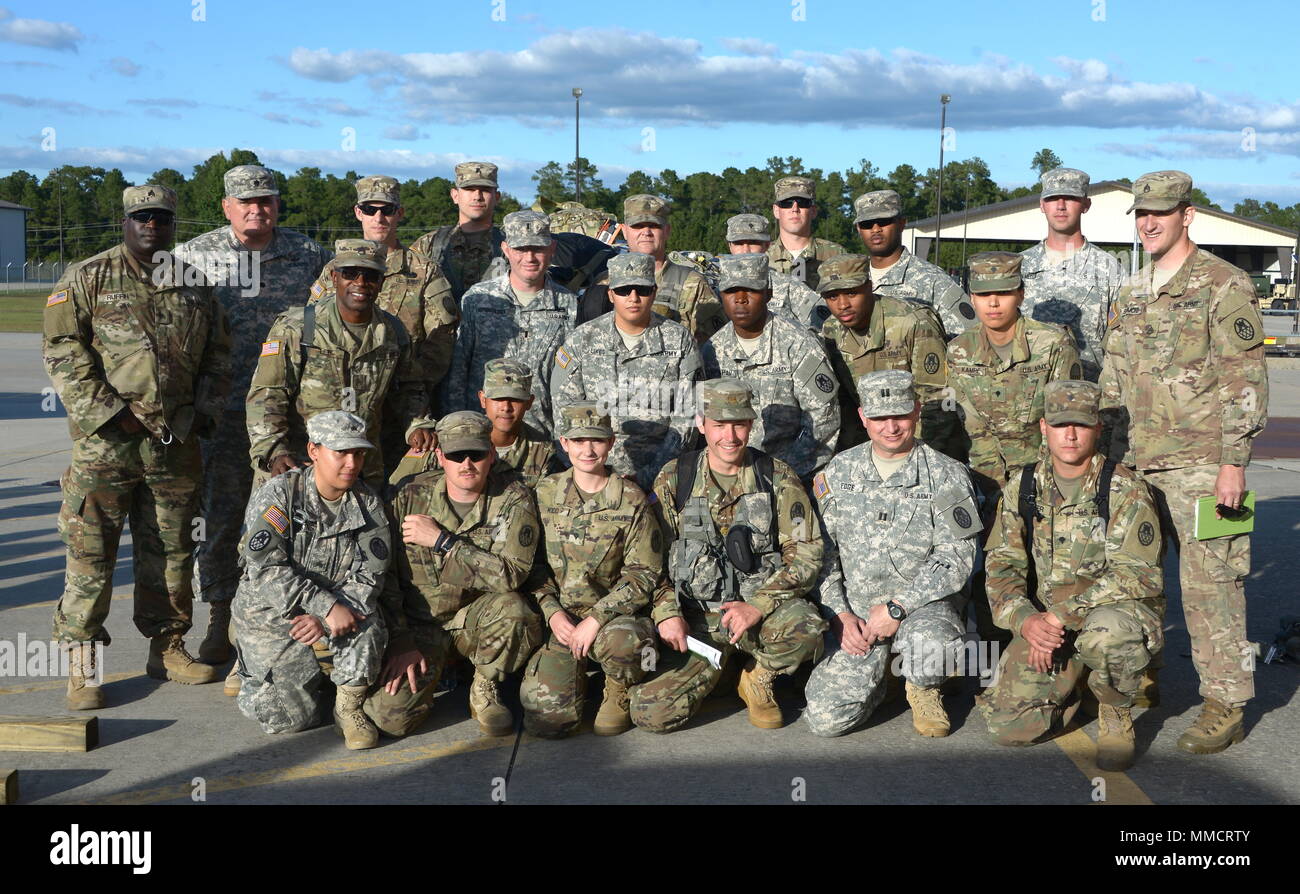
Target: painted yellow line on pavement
{"type": "Point", "coordinates": [62, 683]}
{"type": "Point", "coordinates": [1079, 747]}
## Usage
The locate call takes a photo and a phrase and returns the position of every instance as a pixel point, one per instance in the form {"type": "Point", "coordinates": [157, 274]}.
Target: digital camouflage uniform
{"type": "Point", "coordinates": [684, 295]}
{"type": "Point", "coordinates": [114, 339]}
{"type": "Point", "coordinates": [466, 259]}
{"type": "Point", "coordinates": [790, 296]}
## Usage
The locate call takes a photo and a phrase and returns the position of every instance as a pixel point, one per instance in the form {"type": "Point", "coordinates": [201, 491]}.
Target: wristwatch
{"type": "Point", "coordinates": [895, 610]}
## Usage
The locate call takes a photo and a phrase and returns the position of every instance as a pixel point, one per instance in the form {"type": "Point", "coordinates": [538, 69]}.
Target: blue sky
{"type": "Point", "coordinates": [1110, 85]}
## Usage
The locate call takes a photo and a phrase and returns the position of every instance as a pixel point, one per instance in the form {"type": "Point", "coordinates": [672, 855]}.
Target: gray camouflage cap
{"type": "Point", "coordinates": [250, 182]}
{"type": "Point", "coordinates": [843, 272]}
{"type": "Point", "coordinates": [887, 392]}
{"type": "Point", "coordinates": [463, 430]}
{"type": "Point", "coordinates": [338, 430]}
{"type": "Point", "coordinates": [476, 173]}
{"type": "Point", "coordinates": [150, 195]}
{"type": "Point", "coordinates": [1161, 191]}
{"type": "Point", "coordinates": [1064, 182]}
{"type": "Point", "coordinates": [743, 272]}
{"type": "Point", "coordinates": [507, 379]}
{"type": "Point", "coordinates": [360, 253]}
{"type": "Point", "coordinates": [644, 208]}
{"type": "Point", "coordinates": [585, 419]}
{"type": "Point", "coordinates": [794, 187]}
{"type": "Point", "coordinates": [748, 228]}
{"type": "Point", "coordinates": [879, 205]}
{"type": "Point", "coordinates": [994, 271]}
{"type": "Point", "coordinates": [631, 269]}
{"type": "Point", "coordinates": [726, 400]}
{"type": "Point", "coordinates": [527, 229]}
{"type": "Point", "coordinates": [1072, 401]}
{"type": "Point", "coordinates": [378, 189]}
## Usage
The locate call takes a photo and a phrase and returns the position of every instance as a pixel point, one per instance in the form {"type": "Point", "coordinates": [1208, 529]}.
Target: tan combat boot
{"type": "Point", "coordinates": [352, 723]}
{"type": "Point", "coordinates": [1114, 737]}
{"type": "Point", "coordinates": [168, 660]}
{"type": "Point", "coordinates": [928, 716]}
{"type": "Point", "coordinates": [84, 691]}
{"type": "Point", "coordinates": [755, 690]}
{"type": "Point", "coordinates": [215, 648]}
{"type": "Point", "coordinates": [1148, 694]}
{"type": "Point", "coordinates": [1218, 727]}
{"type": "Point", "coordinates": [233, 682]}
{"type": "Point", "coordinates": [494, 718]}
{"type": "Point", "coordinates": [613, 717]}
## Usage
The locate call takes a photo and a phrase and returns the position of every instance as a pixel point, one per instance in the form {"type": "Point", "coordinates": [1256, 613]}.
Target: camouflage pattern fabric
{"type": "Point", "coordinates": [532, 456]}
{"type": "Point", "coordinates": [466, 259]}
{"type": "Point", "coordinates": [1077, 293]}
{"type": "Point", "coordinates": [797, 302]}
{"type": "Point", "coordinates": [695, 306]}
{"type": "Point", "coordinates": [805, 267]}
{"type": "Point", "coordinates": [918, 281]}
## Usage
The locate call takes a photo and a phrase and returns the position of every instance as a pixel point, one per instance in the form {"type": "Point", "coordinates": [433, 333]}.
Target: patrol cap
{"type": "Point", "coordinates": [743, 272]}
{"type": "Point", "coordinates": [585, 419]}
{"type": "Point", "coordinates": [644, 208]}
{"type": "Point", "coordinates": [843, 272]}
{"type": "Point", "coordinates": [994, 271]}
{"type": "Point", "coordinates": [631, 269]}
{"type": "Point", "coordinates": [748, 228]}
{"type": "Point", "coordinates": [338, 430]}
{"type": "Point", "coordinates": [476, 173]}
{"type": "Point", "coordinates": [463, 430]}
{"type": "Point", "coordinates": [527, 229]}
{"type": "Point", "coordinates": [249, 182]}
{"type": "Point", "coordinates": [726, 400]}
{"type": "Point", "coordinates": [887, 392]}
{"type": "Point", "coordinates": [1161, 191]}
{"type": "Point", "coordinates": [878, 205]}
{"type": "Point", "coordinates": [1072, 400]}
{"type": "Point", "coordinates": [150, 195]}
{"type": "Point", "coordinates": [360, 253]}
{"type": "Point", "coordinates": [507, 379]}
{"type": "Point", "coordinates": [793, 187]}
{"type": "Point", "coordinates": [1064, 182]}
{"type": "Point", "coordinates": [378, 189]}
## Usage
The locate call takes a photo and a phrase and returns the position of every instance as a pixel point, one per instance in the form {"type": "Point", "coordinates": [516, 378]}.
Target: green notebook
{"type": "Point", "coordinates": [1208, 527]}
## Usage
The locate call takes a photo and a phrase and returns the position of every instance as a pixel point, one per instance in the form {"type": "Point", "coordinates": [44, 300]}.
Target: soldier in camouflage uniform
{"type": "Point", "coordinates": [141, 361]}
{"type": "Point", "coordinates": [1068, 280]}
{"type": "Point", "coordinates": [1185, 383]}
{"type": "Point", "coordinates": [748, 234]}
{"type": "Point", "coordinates": [469, 252]}
{"type": "Point", "coordinates": [603, 561]}
{"type": "Point", "coordinates": [505, 398]}
{"type": "Point", "coordinates": [798, 252]}
{"type": "Point", "coordinates": [283, 264]}
{"type": "Point", "coordinates": [524, 316]}
{"type": "Point", "coordinates": [641, 366]}
{"type": "Point", "coordinates": [471, 536]}
{"type": "Point", "coordinates": [743, 502]}
{"type": "Point", "coordinates": [784, 365]}
{"type": "Point", "coordinates": [356, 357]}
{"type": "Point", "coordinates": [897, 273]}
{"type": "Point", "coordinates": [1097, 606]}
{"type": "Point", "coordinates": [901, 530]}
{"type": "Point", "coordinates": [315, 550]}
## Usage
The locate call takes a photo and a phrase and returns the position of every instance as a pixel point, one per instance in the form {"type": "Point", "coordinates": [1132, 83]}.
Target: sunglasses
{"type": "Point", "coordinates": [1233, 514]}
{"type": "Point", "coordinates": [152, 215]}
{"type": "Point", "coordinates": [459, 456]}
{"type": "Point", "coordinates": [624, 291]}
{"type": "Point", "coordinates": [798, 200]}
{"type": "Point", "coordinates": [362, 273]}
{"type": "Point", "coordinates": [881, 222]}
{"type": "Point", "coordinates": [372, 210]}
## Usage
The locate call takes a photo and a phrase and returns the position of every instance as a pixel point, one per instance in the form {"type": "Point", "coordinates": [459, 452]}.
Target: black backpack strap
{"type": "Point", "coordinates": [687, 465]}
{"type": "Point", "coordinates": [308, 337]}
{"type": "Point", "coordinates": [594, 303]}
{"type": "Point", "coordinates": [1028, 503]}
{"type": "Point", "coordinates": [1103, 492]}
{"type": "Point", "coordinates": [764, 471]}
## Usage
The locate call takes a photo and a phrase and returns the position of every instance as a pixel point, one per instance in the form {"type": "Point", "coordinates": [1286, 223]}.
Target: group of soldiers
{"type": "Point", "coordinates": [388, 464]}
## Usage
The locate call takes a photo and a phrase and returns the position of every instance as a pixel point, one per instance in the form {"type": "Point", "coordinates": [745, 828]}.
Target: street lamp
{"type": "Point", "coordinates": [944, 99]}
{"type": "Point", "coordinates": [577, 119]}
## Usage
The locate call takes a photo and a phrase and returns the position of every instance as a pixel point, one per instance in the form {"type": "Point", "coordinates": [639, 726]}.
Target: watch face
{"type": "Point", "coordinates": [895, 612]}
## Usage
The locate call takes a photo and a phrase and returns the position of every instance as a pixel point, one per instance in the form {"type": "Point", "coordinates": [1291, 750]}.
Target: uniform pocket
{"type": "Point", "coordinates": [1227, 559]}
{"type": "Point", "coordinates": [84, 536]}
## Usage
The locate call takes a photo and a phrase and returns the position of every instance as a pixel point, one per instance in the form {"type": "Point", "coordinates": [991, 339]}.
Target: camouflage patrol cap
{"type": "Point", "coordinates": [249, 182]}
{"type": "Point", "coordinates": [843, 272]}
{"type": "Point", "coordinates": [743, 272]}
{"type": "Point", "coordinates": [1072, 401]}
{"type": "Point", "coordinates": [878, 205]}
{"type": "Point", "coordinates": [994, 271]}
{"type": "Point", "coordinates": [527, 229]}
{"type": "Point", "coordinates": [792, 187]}
{"type": "Point", "coordinates": [360, 253]}
{"type": "Point", "coordinates": [632, 269]}
{"type": "Point", "coordinates": [150, 195]}
{"type": "Point", "coordinates": [378, 189]}
{"type": "Point", "coordinates": [1064, 182]}
{"type": "Point", "coordinates": [507, 378]}
{"type": "Point", "coordinates": [585, 419]}
{"type": "Point", "coordinates": [476, 173]}
{"type": "Point", "coordinates": [338, 430]}
{"type": "Point", "coordinates": [1161, 191]}
{"type": "Point", "coordinates": [644, 208]}
{"type": "Point", "coordinates": [726, 400]}
{"type": "Point", "coordinates": [748, 228]}
{"type": "Point", "coordinates": [887, 392]}
{"type": "Point", "coordinates": [463, 430]}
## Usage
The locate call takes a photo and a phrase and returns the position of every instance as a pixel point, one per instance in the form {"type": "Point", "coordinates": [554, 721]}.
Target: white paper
{"type": "Point", "coordinates": [704, 650]}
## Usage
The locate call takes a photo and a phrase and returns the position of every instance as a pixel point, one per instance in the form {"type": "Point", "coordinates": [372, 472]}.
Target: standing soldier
{"type": "Point", "coordinates": [603, 561]}
{"type": "Point", "coordinates": [1068, 280]}
{"type": "Point", "coordinates": [748, 234]}
{"type": "Point", "coordinates": [142, 363]}
{"type": "Point", "coordinates": [1086, 530]}
{"type": "Point", "coordinates": [258, 270]}
{"type": "Point", "coordinates": [896, 272]}
{"type": "Point", "coordinates": [797, 252]}
{"type": "Point", "coordinates": [901, 540]}
{"type": "Point", "coordinates": [781, 362]}
{"type": "Point", "coordinates": [469, 252]}
{"type": "Point", "coordinates": [1185, 382]}
{"type": "Point", "coordinates": [745, 552]}
{"type": "Point", "coordinates": [315, 549]}
{"type": "Point", "coordinates": [641, 366]}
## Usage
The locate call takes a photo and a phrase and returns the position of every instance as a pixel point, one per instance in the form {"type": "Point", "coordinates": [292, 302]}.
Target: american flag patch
{"type": "Point", "coordinates": [820, 487]}
{"type": "Point", "coordinates": [276, 519]}
{"type": "Point", "coordinates": [57, 298]}
{"type": "Point", "coordinates": [317, 290]}
{"type": "Point", "coordinates": [270, 348]}
{"type": "Point", "coordinates": [563, 358]}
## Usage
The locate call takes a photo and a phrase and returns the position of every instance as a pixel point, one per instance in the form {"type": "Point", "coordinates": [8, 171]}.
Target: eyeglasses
{"type": "Point", "coordinates": [624, 291]}
{"type": "Point", "coordinates": [459, 456]}
{"type": "Point", "coordinates": [881, 222]}
{"type": "Point", "coordinates": [152, 215]}
{"type": "Point", "coordinates": [797, 200]}
{"type": "Point", "coordinates": [371, 210]}
{"type": "Point", "coordinates": [362, 273]}
{"type": "Point", "coordinates": [1233, 514]}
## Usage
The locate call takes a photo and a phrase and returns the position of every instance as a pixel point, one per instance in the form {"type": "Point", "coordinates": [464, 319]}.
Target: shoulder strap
{"type": "Point", "coordinates": [687, 465]}
{"type": "Point", "coordinates": [1028, 503]}
{"type": "Point", "coordinates": [764, 470]}
{"type": "Point", "coordinates": [674, 279]}
{"type": "Point", "coordinates": [1102, 498]}
{"type": "Point", "coordinates": [308, 336]}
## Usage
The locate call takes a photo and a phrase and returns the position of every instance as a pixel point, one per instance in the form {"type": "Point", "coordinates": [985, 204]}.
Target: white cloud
{"type": "Point", "coordinates": [124, 66]}
{"type": "Point", "coordinates": [280, 118]}
{"type": "Point", "coordinates": [403, 132]}
{"type": "Point", "coordinates": [750, 46]}
{"type": "Point", "coordinates": [45, 103]}
{"type": "Point", "coordinates": [38, 32]}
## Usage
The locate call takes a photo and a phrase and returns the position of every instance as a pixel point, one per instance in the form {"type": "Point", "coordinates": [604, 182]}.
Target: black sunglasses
{"type": "Point", "coordinates": [797, 200]}
{"type": "Point", "coordinates": [881, 222]}
{"type": "Point", "coordinates": [459, 456]}
{"type": "Point", "coordinates": [372, 210]}
{"type": "Point", "coordinates": [1233, 514]}
{"type": "Point", "coordinates": [155, 215]}
{"type": "Point", "coordinates": [362, 273]}
{"type": "Point", "coordinates": [624, 291]}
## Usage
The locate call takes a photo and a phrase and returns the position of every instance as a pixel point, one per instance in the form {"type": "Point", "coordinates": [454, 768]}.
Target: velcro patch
{"type": "Point", "coordinates": [563, 358]}
{"type": "Point", "coordinates": [820, 487]}
{"type": "Point", "coordinates": [276, 518]}
{"type": "Point", "coordinates": [270, 348]}
{"type": "Point", "coordinates": [58, 297]}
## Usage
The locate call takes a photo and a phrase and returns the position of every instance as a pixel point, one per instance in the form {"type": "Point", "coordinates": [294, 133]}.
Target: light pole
{"type": "Point", "coordinates": [577, 121]}
{"type": "Point", "coordinates": [944, 99]}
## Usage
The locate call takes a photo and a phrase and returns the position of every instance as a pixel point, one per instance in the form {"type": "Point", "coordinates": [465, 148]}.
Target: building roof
{"type": "Point", "coordinates": [11, 205]}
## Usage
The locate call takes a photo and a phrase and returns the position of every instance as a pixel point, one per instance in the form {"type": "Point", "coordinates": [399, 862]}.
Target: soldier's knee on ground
{"type": "Point", "coordinates": [552, 691]}
{"type": "Point", "coordinates": [401, 714]}
{"type": "Point", "coordinates": [281, 708]}
{"type": "Point", "coordinates": [671, 699]}
{"type": "Point", "coordinates": [625, 649]}
{"type": "Point", "coordinates": [1114, 645]}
